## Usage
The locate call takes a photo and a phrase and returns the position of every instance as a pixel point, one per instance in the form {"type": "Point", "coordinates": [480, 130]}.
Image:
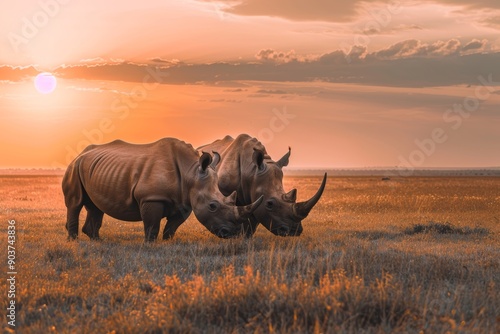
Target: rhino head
{"type": "Point", "coordinates": [218, 213]}
{"type": "Point", "coordinates": [280, 213]}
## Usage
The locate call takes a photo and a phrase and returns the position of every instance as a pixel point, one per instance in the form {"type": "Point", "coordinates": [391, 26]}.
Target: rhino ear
{"type": "Point", "coordinates": [205, 161]}
{"type": "Point", "coordinates": [216, 160]}
{"type": "Point", "coordinates": [258, 159]}
{"type": "Point", "coordinates": [284, 160]}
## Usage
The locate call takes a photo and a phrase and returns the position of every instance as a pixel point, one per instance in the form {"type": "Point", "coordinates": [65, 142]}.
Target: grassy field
{"type": "Point", "coordinates": [405, 255]}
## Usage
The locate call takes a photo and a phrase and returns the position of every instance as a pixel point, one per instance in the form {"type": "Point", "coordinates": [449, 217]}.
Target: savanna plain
{"type": "Point", "coordinates": [415, 254]}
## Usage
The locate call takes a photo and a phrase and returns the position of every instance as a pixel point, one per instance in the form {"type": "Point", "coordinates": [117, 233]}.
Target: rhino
{"type": "Point", "coordinates": [247, 169]}
{"type": "Point", "coordinates": [147, 182]}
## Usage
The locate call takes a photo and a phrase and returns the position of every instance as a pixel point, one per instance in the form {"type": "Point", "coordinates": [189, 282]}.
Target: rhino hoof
{"type": "Point", "coordinates": [168, 236]}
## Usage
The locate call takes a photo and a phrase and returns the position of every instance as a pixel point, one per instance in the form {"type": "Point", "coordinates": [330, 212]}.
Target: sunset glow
{"type": "Point", "coordinates": [344, 83]}
{"type": "Point", "coordinates": [45, 83]}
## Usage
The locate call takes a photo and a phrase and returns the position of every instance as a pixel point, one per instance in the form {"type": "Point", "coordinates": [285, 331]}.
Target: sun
{"type": "Point", "coordinates": [45, 83]}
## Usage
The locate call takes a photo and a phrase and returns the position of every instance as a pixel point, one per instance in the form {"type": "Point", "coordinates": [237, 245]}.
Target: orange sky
{"type": "Point", "coordinates": [345, 83]}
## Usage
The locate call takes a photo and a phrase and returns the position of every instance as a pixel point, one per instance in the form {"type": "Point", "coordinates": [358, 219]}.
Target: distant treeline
{"type": "Point", "coordinates": [388, 173]}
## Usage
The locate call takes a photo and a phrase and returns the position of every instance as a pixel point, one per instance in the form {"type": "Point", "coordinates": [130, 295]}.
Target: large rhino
{"type": "Point", "coordinates": [247, 168]}
{"type": "Point", "coordinates": [147, 182]}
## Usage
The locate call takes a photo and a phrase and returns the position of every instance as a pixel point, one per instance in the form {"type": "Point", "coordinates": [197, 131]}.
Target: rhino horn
{"type": "Point", "coordinates": [290, 196]}
{"type": "Point", "coordinates": [246, 210]}
{"type": "Point", "coordinates": [302, 209]}
{"type": "Point", "coordinates": [232, 198]}
{"type": "Point", "coordinates": [216, 159]}
{"type": "Point", "coordinates": [283, 162]}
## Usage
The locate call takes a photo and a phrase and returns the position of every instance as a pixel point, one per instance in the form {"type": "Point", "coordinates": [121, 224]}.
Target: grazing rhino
{"type": "Point", "coordinates": [247, 168]}
{"type": "Point", "coordinates": [147, 182]}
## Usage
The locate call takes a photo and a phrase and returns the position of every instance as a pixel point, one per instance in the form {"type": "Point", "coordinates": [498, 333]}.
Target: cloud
{"type": "Point", "coordinates": [356, 53]}
{"type": "Point", "coordinates": [258, 95]}
{"type": "Point", "coordinates": [328, 10]}
{"type": "Point", "coordinates": [236, 90]}
{"type": "Point", "coordinates": [93, 60]}
{"type": "Point", "coordinates": [398, 50]}
{"type": "Point", "coordinates": [100, 60]}
{"type": "Point", "coordinates": [279, 56]}
{"type": "Point", "coordinates": [478, 4]}
{"type": "Point", "coordinates": [271, 91]}
{"type": "Point", "coordinates": [98, 90]}
{"type": "Point", "coordinates": [475, 45]}
{"type": "Point", "coordinates": [114, 72]}
{"type": "Point", "coordinates": [410, 63]}
{"type": "Point", "coordinates": [493, 22]}
{"type": "Point", "coordinates": [334, 57]}
{"type": "Point", "coordinates": [270, 54]}
{"type": "Point", "coordinates": [225, 101]}
{"type": "Point", "coordinates": [403, 49]}
{"type": "Point", "coordinates": [13, 73]}
{"type": "Point", "coordinates": [415, 48]}
{"type": "Point", "coordinates": [295, 10]}
{"type": "Point", "coordinates": [165, 61]}
{"type": "Point", "coordinates": [390, 30]}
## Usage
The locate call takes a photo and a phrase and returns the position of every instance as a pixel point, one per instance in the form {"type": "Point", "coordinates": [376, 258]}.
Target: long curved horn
{"type": "Point", "coordinates": [302, 209]}
{"type": "Point", "coordinates": [246, 210]}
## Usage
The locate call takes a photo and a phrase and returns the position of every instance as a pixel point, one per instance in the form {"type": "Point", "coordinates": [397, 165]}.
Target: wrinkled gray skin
{"type": "Point", "coordinates": [247, 169]}
{"type": "Point", "coordinates": [147, 182]}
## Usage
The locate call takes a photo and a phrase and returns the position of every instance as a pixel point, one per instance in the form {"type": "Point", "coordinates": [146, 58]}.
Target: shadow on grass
{"type": "Point", "coordinates": [431, 228]}
{"type": "Point", "coordinates": [376, 235]}
{"type": "Point", "coordinates": [445, 228]}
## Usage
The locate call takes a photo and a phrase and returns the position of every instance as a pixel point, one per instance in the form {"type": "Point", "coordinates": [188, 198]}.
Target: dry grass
{"type": "Point", "coordinates": [408, 255]}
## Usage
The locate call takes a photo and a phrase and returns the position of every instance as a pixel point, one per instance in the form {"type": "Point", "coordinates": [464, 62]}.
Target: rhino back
{"type": "Point", "coordinates": [119, 176]}
{"type": "Point", "coordinates": [218, 146]}
{"type": "Point", "coordinates": [236, 164]}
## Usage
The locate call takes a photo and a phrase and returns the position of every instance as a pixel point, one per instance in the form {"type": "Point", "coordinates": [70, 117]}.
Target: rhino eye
{"type": "Point", "coordinates": [213, 206]}
{"type": "Point", "coordinates": [270, 204]}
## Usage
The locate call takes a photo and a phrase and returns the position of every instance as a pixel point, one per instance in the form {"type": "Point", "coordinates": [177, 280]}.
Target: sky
{"type": "Point", "coordinates": [345, 83]}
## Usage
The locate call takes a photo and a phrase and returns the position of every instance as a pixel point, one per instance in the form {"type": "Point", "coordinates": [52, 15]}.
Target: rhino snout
{"type": "Point", "coordinates": [225, 232]}
{"type": "Point", "coordinates": [285, 230]}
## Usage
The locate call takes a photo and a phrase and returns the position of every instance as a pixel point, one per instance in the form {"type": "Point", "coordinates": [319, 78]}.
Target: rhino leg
{"type": "Point", "coordinates": [74, 195]}
{"type": "Point", "coordinates": [250, 226]}
{"type": "Point", "coordinates": [152, 213]}
{"type": "Point", "coordinates": [93, 222]}
{"type": "Point", "coordinates": [173, 223]}
{"type": "Point", "coordinates": [72, 217]}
